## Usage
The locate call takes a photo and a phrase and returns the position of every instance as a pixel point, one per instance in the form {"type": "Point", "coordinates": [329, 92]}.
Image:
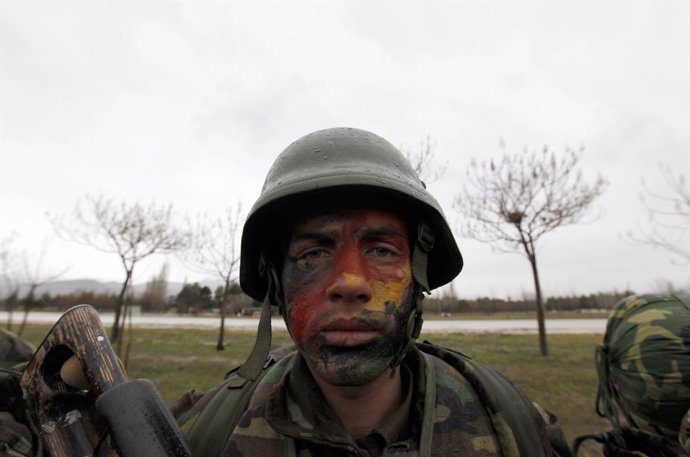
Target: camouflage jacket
{"type": "Point", "coordinates": [287, 415]}
{"type": "Point", "coordinates": [287, 411]}
{"type": "Point", "coordinates": [631, 442]}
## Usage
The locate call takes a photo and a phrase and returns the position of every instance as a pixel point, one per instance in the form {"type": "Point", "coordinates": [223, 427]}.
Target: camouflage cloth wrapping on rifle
{"type": "Point", "coordinates": [644, 365]}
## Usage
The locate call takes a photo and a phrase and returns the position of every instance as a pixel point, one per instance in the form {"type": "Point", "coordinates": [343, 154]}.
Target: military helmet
{"type": "Point", "coordinates": [644, 364]}
{"type": "Point", "coordinates": [342, 164]}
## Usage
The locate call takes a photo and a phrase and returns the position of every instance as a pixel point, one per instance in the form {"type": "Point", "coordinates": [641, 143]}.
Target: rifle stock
{"type": "Point", "coordinates": [73, 421]}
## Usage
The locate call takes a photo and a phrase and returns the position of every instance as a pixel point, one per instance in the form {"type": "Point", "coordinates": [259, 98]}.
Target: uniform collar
{"type": "Point", "coordinates": [296, 407]}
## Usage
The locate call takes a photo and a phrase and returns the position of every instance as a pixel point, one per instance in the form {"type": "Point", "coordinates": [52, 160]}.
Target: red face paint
{"type": "Point", "coordinates": [347, 284]}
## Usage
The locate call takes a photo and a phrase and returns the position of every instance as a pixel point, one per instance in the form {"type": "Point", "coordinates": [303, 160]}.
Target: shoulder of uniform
{"type": "Point", "coordinates": [507, 405]}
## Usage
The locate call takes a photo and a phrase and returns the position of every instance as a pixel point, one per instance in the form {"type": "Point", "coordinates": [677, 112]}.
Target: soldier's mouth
{"type": "Point", "coordinates": [348, 338]}
{"type": "Point", "coordinates": [349, 333]}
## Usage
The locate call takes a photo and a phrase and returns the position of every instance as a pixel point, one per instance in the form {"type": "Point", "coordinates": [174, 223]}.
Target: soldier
{"type": "Point", "coordinates": [345, 240]}
{"type": "Point", "coordinates": [643, 366]}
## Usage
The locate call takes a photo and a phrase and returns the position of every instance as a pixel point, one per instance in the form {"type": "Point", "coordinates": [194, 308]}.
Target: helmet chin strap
{"type": "Point", "coordinates": [413, 327]}
{"type": "Point", "coordinates": [252, 367]}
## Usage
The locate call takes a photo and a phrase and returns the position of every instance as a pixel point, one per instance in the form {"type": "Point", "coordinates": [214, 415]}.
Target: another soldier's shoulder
{"type": "Point", "coordinates": [207, 419]}
{"type": "Point", "coordinates": [520, 426]}
{"type": "Point", "coordinates": [13, 349]}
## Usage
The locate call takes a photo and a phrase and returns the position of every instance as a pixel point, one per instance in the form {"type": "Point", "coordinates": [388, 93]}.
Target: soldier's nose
{"type": "Point", "coordinates": [350, 288]}
{"type": "Point", "coordinates": [350, 281]}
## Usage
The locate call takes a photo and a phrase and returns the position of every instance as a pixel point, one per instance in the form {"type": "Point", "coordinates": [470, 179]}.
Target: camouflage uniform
{"type": "Point", "coordinates": [287, 411]}
{"type": "Point", "coordinates": [453, 406]}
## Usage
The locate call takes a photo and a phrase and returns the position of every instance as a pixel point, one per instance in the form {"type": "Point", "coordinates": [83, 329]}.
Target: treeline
{"type": "Point", "coordinates": [196, 299]}
{"type": "Point", "coordinates": [48, 302]}
{"type": "Point", "coordinates": [453, 305]}
{"type": "Point", "coordinates": [192, 299]}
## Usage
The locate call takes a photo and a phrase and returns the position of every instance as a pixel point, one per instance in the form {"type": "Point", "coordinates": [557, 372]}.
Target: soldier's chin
{"type": "Point", "coordinates": [352, 371]}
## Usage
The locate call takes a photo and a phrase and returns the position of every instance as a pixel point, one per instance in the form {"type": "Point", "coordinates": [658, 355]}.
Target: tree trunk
{"type": "Point", "coordinates": [24, 321]}
{"type": "Point", "coordinates": [10, 311]}
{"type": "Point", "coordinates": [223, 303]}
{"type": "Point", "coordinates": [115, 333]}
{"type": "Point", "coordinates": [129, 336]}
{"type": "Point", "coordinates": [540, 305]}
{"type": "Point", "coordinates": [221, 331]}
{"type": "Point", "coordinates": [27, 307]}
{"type": "Point", "coordinates": [10, 302]}
{"type": "Point", "coordinates": [126, 311]}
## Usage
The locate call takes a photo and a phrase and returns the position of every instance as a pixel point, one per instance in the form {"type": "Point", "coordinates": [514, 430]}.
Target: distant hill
{"type": "Point", "coordinates": [68, 286]}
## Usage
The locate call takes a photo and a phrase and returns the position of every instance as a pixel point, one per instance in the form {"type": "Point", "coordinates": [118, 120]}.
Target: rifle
{"type": "Point", "coordinates": [74, 419]}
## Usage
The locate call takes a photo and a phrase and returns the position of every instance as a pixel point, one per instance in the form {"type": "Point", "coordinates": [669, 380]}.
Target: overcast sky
{"type": "Point", "coordinates": [190, 102]}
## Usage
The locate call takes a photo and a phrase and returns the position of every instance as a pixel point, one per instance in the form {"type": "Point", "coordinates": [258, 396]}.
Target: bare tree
{"type": "Point", "coordinates": [214, 251]}
{"type": "Point", "coordinates": [34, 277]}
{"type": "Point", "coordinates": [132, 231]}
{"type": "Point", "coordinates": [423, 161]}
{"type": "Point", "coordinates": [668, 221]}
{"type": "Point", "coordinates": [8, 272]}
{"type": "Point", "coordinates": [511, 202]}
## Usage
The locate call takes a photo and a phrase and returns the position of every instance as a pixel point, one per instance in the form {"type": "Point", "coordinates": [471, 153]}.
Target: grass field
{"type": "Point", "coordinates": [565, 382]}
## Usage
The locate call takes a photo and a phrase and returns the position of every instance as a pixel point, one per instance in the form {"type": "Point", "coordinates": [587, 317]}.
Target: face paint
{"type": "Point", "coordinates": [347, 285]}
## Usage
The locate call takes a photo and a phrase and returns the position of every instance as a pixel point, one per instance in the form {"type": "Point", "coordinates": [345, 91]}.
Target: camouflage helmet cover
{"type": "Point", "coordinates": [644, 363]}
{"type": "Point", "coordinates": [343, 163]}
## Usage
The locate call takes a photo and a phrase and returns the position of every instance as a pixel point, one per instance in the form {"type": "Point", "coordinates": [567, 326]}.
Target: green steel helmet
{"type": "Point", "coordinates": [644, 364]}
{"type": "Point", "coordinates": [346, 165]}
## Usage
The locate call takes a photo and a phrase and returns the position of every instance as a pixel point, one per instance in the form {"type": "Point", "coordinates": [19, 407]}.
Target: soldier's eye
{"type": "Point", "coordinates": [312, 256]}
{"type": "Point", "coordinates": [383, 252]}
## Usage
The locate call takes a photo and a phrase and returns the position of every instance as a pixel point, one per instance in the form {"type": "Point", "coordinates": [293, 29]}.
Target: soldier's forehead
{"type": "Point", "coordinates": [367, 215]}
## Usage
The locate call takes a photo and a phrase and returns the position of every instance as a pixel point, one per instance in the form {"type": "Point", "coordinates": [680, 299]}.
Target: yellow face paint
{"type": "Point", "coordinates": [391, 291]}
